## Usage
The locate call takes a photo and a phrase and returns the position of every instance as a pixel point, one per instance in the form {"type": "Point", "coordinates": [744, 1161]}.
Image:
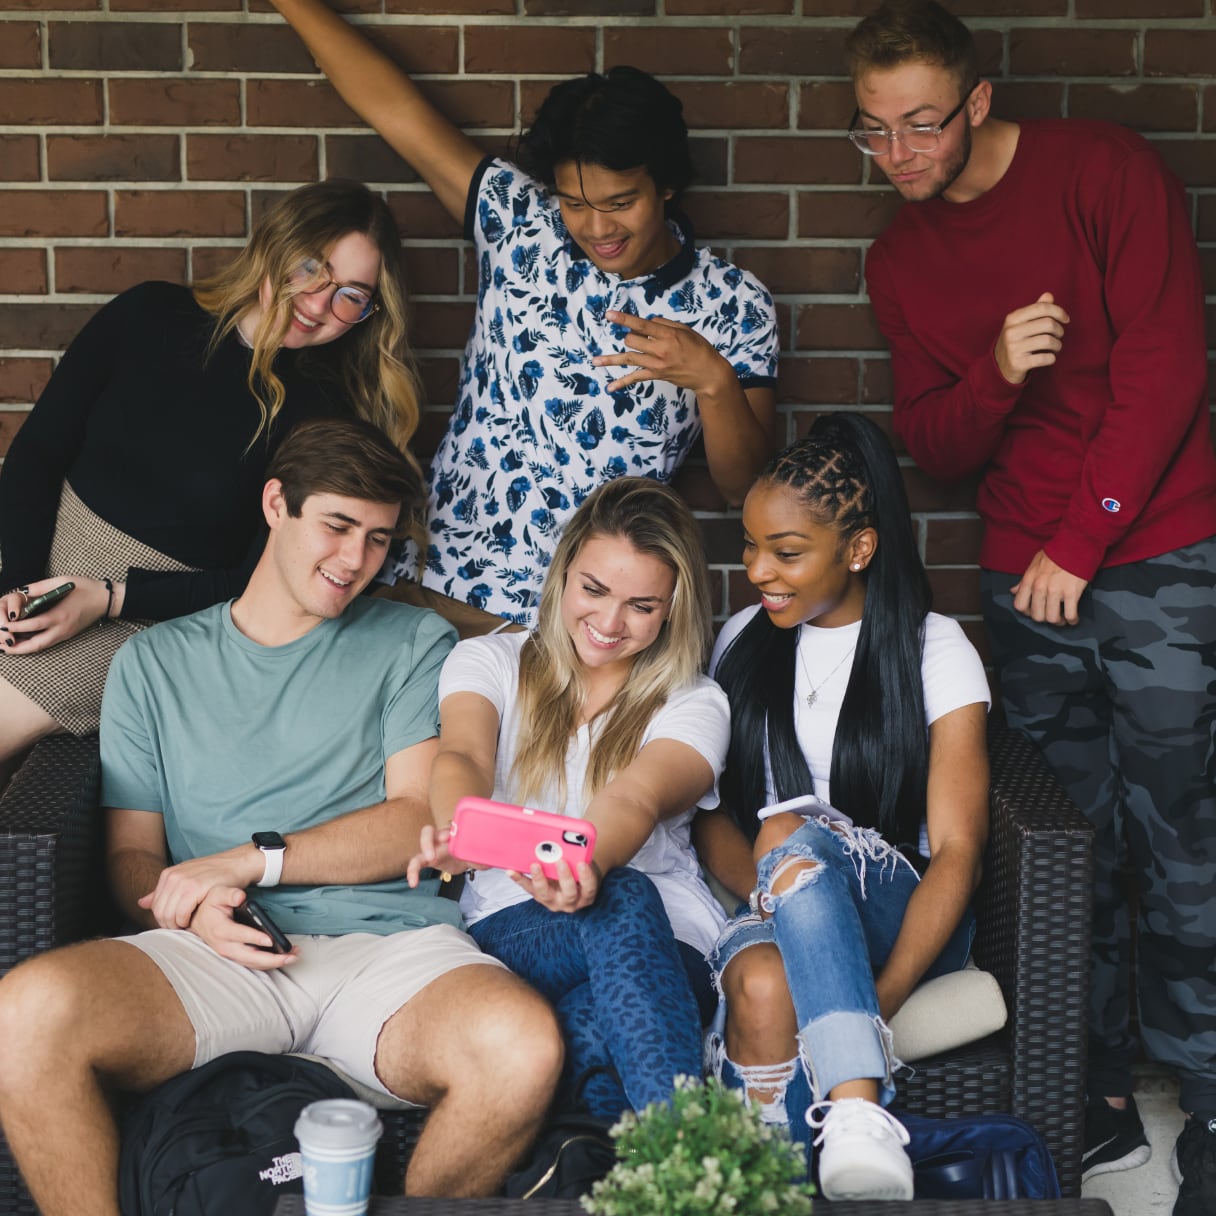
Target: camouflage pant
{"type": "Point", "coordinates": [1123, 706]}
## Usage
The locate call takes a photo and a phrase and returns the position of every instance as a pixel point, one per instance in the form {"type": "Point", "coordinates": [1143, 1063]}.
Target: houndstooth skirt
{"type": "Point", "coordinates": [67, 680]}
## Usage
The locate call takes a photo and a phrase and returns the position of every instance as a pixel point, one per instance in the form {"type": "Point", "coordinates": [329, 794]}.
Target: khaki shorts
{"type": "Point", "coordinates": [332, 1002]}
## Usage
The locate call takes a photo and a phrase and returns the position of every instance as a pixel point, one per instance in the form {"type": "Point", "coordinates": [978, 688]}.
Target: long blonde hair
{"type": "Point", "coordinates": [656, 522]}
{"type": "Point", "coordinates": [377, 364]}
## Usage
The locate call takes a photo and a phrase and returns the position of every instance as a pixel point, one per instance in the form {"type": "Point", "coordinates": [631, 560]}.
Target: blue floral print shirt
{"type": "Point", "coordinates": [535, 429]}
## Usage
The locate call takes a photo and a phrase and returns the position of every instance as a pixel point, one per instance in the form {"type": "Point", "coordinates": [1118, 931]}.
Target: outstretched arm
{"type": "Point", "coordinates": [385, 97]}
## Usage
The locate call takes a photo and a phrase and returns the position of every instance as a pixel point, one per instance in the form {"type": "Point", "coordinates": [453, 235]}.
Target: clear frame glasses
{"type": "Point", "coordinates": [916, 136]}
{"type": "Point", "coordinates": [350, 305]}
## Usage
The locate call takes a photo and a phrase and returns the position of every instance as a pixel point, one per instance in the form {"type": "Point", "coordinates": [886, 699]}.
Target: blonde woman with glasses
{"type": "Point", "coordinates": [136, 477]}
{"type": "Point", "coordinates": [603, 714]}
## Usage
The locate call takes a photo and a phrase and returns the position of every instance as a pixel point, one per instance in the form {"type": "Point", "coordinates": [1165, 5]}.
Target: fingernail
{"type": "Point", "coordinates": [12, 616]}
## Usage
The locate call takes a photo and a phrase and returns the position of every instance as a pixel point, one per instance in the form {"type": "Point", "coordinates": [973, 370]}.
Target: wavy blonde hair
{"type": "Point", "coordinates": [377, 365]}
{"type": "Point", "coordinates": [656, 522]}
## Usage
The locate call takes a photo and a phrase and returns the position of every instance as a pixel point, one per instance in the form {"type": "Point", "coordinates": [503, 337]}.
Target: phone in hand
{"type": "Point", "coordinates": [40, 603]}
{"type": "Point", "coordinates": [252, 913]}
{"type": "Point", "coordinates": [510, 837]}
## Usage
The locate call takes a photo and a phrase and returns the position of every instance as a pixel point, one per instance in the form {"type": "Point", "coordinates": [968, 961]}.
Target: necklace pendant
{"type": "Point", "coordinates": [811, 698]}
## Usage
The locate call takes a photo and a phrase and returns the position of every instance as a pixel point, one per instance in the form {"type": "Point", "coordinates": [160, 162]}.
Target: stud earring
{"type": "Point", "coordinates": [855, 567]}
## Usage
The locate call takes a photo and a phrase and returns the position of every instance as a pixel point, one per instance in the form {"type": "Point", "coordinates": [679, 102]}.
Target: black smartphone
{"type": "Point", "coordinates": [252, 913]}
{"type": "Point", "coordinates": [40, 603]}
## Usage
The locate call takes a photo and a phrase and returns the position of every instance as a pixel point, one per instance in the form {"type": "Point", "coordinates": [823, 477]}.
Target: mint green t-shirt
{"type": "Point", "coordinates": [225, 737]}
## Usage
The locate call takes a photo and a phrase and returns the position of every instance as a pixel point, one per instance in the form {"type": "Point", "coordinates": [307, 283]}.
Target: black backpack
{"type": "Point", "coordinates": [571, 1154]}
{"type": "Point", "coordinates": [220, 1140]}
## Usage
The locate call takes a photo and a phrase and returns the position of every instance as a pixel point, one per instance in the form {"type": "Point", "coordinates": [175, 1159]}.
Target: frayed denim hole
{"type": "Point", "coordinates": [809, 869]}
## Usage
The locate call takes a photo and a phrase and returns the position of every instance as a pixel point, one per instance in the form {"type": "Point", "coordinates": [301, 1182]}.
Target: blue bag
{"type": "Point", "coordinates": [979, 1157]}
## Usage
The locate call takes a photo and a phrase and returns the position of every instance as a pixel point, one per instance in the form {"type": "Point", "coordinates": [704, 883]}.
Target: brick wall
{"type": "Point", "coordinates": [138, 139]}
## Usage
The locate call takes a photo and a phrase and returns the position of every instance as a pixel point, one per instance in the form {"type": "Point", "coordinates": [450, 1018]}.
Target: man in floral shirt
{"type": "Point", "coordinates": [604, 342]}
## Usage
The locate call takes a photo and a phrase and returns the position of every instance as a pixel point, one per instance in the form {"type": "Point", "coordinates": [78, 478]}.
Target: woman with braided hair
{"type": "Point", "coordinates": [844, 687]}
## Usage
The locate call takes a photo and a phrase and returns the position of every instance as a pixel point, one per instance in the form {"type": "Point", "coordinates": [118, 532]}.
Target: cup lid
{"type": "Point", "coordinates": [338, 1123]}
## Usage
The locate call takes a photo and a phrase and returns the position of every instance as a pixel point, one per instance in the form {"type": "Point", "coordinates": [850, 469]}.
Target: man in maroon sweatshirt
{"type": "Point", "coordinates": [1044, 307]}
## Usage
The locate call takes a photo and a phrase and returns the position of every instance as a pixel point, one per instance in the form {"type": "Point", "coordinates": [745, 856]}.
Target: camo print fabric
{"type": "Point", "coordinates": [1123, 706]}
{"type": "Point", "coordinates": [614, 975]}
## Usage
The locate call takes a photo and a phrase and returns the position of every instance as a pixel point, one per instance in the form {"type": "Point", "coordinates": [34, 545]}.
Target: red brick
{"type": "Point", "coordinates": [826, 380]}
{"type": "Point", "coordinates": [589, 8]}
{"type": "Point", "coordinates": [160, 6]}
{"type": "Point", "coordinates": [805, 50]}
{"type": "Point", "coordinates": [30, 326]}
{"type": "Point", "coordinates": [926, 494]}
{"type": "Point", "coordinates": [23, 380]}
{"type": "Point", "coordinates": [955, 591]}
{"type": "Point", "coordinates": [1017, 99]}
{"type": "Point", "coordinates": [107, 158]}
{"type": "Point", "coordinates": [461, 7]}
{"type": "Point", "coordinates": [794, 270]}
{"type": "Point", "coordinates": [723, 540]}
{"type": "Point", "coordinates": [824, 327]}
{"type": "Point", "coordinates": [671, 50]}
{"type": "Point", "coordinates": [740, 593]}
{"type": "Point", "coordinates": [19, 158]}
{"type": "Point", "coordinates": [113, 268]}
{"type": "Point", "coordinates": [419, 49]}
{"type": "Point", "coordinates": [432, 271]}
{"type": "Point", "coordinates": [799, 160]}
{"type": "Point", "coordinates": [440, 325]}
{"type": "Point", "coordinates": [21, 46]}
{"type": "Point", "coordinates": [440, 378]}
{"type": "Point", "coordinates": [1206, 227]}
{"type": "Point", "coordinates": [113, 46]}
{"type": "Point", "coordinates": [53, 213]}
{"type": "Point", "coordinates": [1209, 108]}
{"type": "Point", "coordinates": [752, 214]}
{"type": "Point", "coordinates": [473, 103]}
{"type": "Point", "coordinates": [1143, 107]}
{"type": "Point", "coordinates": [735, 105]}
{"type": "Point", "coordinates": [1179, 52]}
{"type": "Point", "coordinates": [205, 260]}
{"type": "Point", "coordinates": [953, 541]}
{"type": "Point", "coordinates": [729, 8]}
{"type": "Point", "coordinates": [179, 213]}
{"type": "Point", "coordinates": [365, 158]}
{"type": "Point", "coordinates": [521, 50]}
{"type": "Point", "coordinates": [1194, 160]}
{"type": "Point", "coordinates": [876, 381]}
{"type": "Point", "coordinates": [694, 484]}
{"type": "Point", "coordinates": [23, 271]}
{"type": "Point", "coordinates": [296, 103]}
{"type": "Point", "coordinates": [256, 158]}
{"type": "Point", "coordinates": [826, 105]}
{"type": "Point", "coordinates": [48, 103]}
{"type": "Point", "coordinates": [1072, 52]}
{"type": "Point", "coordinates": [710, 160]}
{"type": "Point", "coordinates": [807, 419]}
{"type": "Point", "coordinates": [1207, 259]}
{"type": "Point", "coordinates": [846, 213]}
{"type": "Point", "coordinates": [57, 5]}
{"type": "Point", "coordinates": [171, 102]}
{"type": "Point", "coordinates": [418, 214]}
{"type": "Point", "coordinates": [240, 47]}
{"type": "Point", "coordinates": [10, 420]}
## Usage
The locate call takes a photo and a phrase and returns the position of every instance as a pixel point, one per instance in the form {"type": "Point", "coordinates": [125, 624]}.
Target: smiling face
{"type": "Point", "coordinates": [799, 566]}
{"type": "Point", "coordinates": [353, 261]}
{"type": "Point", "coordinates": [614, 602]}
{"type": "Point", "coordinates": [616, 217]}
{"type": "Point", "coordinates": [325, 556]}
{"type": "Point", "coordinates": [921, 93]}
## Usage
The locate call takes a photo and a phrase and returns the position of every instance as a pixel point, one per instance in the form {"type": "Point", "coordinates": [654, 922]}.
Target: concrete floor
{"type": "Point", "coordinates": [1150, 1189]}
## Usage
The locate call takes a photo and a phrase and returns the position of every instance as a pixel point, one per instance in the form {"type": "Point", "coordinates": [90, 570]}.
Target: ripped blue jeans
{"type": "Point", "coordinates": [835, 926]}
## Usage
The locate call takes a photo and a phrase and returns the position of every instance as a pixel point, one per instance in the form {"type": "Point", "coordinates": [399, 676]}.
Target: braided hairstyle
{"type": "Point", "coordinates": [848, 479]}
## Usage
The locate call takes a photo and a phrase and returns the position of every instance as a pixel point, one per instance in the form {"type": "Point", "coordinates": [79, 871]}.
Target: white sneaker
{"type": "Point", "coordinates": [861, 1152]}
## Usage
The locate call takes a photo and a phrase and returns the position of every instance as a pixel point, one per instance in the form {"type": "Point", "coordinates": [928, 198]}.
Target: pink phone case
{"type": "Point", "coordinates": [514, 837]}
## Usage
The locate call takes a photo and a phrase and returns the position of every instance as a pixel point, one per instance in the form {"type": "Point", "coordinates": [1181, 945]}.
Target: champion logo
{"type": "Point", "coordinates": [1112, 505]}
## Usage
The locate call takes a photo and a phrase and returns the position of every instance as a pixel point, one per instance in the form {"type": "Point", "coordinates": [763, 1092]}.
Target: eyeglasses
{"type": "Point", "coordinates": [350, 305]}
{"type": "Point", "coordinates": [916, 137]}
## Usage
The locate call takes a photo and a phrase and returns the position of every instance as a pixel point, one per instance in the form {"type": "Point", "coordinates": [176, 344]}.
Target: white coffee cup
{"type": "Point", "coordinates": [338, 1140]}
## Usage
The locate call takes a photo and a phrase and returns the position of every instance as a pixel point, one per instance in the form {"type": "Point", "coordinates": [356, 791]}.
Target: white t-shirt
{"type": "Point", "coordinates": [698, 716]}
{"type": "Point", "coordinates": [951, 671]}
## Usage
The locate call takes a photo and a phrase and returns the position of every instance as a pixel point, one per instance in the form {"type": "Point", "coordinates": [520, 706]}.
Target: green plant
{"type": "Point", "coordinates": [703, 1154]}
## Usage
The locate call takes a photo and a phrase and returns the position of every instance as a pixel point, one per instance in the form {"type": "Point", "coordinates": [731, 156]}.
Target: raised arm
{"type": "Point", "coordinates": [957, 800]}
{"type": "Point", "coordinates": [385, 97]}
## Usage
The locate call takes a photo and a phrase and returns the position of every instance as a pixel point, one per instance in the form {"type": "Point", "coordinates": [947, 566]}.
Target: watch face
{"type": "Point", "coordinates": [269, 840]}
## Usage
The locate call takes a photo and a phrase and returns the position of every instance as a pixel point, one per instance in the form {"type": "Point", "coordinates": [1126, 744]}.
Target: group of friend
{"type": "Point", "coordinates": [233, 461]}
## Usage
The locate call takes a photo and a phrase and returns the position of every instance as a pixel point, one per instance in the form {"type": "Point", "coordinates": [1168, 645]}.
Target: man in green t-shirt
{"type": "Point", "coordinates": [281, 742]}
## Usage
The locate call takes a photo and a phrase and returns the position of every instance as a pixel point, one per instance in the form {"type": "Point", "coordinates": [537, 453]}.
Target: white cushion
{"type": "Point", "coordinates": [947, 1012]}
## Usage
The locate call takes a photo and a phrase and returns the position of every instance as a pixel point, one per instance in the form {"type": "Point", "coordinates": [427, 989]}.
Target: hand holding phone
{"type": "Point", "coordinates": [510, 837]}
{"type": "Point", "coordinates": [252, 913]}
{"type": "Point", "coordinates": [40, 603]}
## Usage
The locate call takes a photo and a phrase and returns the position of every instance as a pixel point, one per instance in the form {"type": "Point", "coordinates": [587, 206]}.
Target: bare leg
{"type": "Point", "coordinates": [72, 1022]}
{"type": "Point", "coordinates": [22, 724]}
{"type": "Point", "coordinates": [761, 1026]}
{"type": "Point", "coordinates": [484, 1052]}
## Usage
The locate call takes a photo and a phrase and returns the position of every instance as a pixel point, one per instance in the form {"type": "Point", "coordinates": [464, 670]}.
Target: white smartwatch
{"type": "Point", "coordinates": [273, 846]}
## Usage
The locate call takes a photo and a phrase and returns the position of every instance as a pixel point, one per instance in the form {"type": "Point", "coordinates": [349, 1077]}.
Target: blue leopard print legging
{"type": "Point", "coordinates": [614, 975]}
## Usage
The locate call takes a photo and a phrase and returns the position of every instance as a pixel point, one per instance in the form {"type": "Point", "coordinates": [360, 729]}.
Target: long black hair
{"type": "Point", "coordinates": [624, 119]}
{"type": "Point", "coordinates": [846, 475]}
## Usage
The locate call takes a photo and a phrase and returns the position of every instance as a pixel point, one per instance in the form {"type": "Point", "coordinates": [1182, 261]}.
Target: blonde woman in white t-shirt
{"type": "Point", "coordinates": [601, 713]}
{"type": "Point", "coordinates": [843, 685]}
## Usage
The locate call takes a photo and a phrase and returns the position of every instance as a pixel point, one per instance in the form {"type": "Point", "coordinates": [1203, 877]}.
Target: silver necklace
{"type": "Point", "coordinates": [813, 695]}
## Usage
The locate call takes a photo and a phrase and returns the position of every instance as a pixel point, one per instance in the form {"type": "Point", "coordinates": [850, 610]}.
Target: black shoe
{"type": "Point", "coordinates": [1114, 1139]}
{"type": "Point", "coordinates": [1195, 1167]}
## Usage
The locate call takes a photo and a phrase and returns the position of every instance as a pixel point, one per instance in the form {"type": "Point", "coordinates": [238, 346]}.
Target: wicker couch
{"type": "Point", "coordinates": [1033, 936]}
